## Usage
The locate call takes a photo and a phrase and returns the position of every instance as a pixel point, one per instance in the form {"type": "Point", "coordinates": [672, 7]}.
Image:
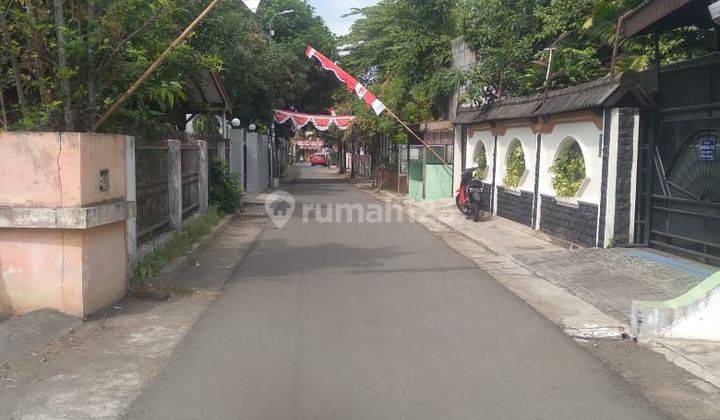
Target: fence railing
{"type": "Point", "coordinates": [151, 173]}
{"type": "Point", "coordinates": [153, 166]}
{"type": "Point", "coordinates": [190, 166]}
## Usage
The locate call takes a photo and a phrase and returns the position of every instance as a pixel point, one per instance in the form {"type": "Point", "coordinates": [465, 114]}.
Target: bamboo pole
{"type": "Point", "coordinates": [154, 66]}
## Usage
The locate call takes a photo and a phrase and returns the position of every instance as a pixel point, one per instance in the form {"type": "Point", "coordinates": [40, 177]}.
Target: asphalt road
{"type": "Point", "coordinates": [375, 321]}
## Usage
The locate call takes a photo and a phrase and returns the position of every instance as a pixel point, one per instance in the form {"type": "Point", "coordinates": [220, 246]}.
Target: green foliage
{"type": "Point", "coordinates": [226, 192]}
{"type": "Point", "coordinates": [568, 171]}
{"type": "Point", "coordinates": [515, 163]}
{"type": "Point", "coordinates": [407, 45]}
{"type": "Point", "coordinates": [205, 124]}
{"type": "Point", "coordinates": [110, 44]}
{"type": "Point", "coordinates": [510, 37]}
{"type": "Point", "coordinates": [480, 160]}
{"type": "Point", "coordinates": [179, 244]}
{"type": "Point", "coordinates": [400, 137]}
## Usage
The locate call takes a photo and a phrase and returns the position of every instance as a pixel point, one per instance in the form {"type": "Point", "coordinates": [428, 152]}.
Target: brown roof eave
{"type": "Point", "coordinates": [662, 15]}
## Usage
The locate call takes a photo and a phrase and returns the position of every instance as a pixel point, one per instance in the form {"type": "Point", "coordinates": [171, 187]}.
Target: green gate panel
{"type": "Point", "coordinates": [415, 184]}
{"type": "Point", "coordinates": [439, 182]}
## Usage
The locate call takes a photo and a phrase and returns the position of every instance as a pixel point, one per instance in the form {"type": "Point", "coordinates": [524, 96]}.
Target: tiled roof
{"type": "Point", "coordinates": [586, 96]}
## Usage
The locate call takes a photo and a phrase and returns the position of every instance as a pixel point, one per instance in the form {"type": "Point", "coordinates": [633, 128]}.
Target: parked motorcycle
{"type": "Point", "coordinates": [469, 197]}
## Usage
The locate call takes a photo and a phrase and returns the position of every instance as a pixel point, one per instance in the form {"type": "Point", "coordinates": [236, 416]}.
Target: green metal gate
{"type": "Point", "coordinates": [416, 173]}
{"type": "Point", "coordinates": [429, 177]}
{"type": "Point", "coordinates": [438, 176]}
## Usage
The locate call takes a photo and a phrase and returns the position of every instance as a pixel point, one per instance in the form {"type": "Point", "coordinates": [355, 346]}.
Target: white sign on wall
{"type": "Point", "coordinates": [707, 149]}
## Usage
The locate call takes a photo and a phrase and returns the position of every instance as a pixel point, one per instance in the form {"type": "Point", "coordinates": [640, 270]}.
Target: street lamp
{"type": "Point", "coordinates": [284, 12]}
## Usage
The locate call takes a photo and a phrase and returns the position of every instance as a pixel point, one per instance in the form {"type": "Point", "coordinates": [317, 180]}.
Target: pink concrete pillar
{"type": "Point", "coordinates": [63, 213]}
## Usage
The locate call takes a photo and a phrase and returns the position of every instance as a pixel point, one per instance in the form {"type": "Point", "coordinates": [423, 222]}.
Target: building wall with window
{"type": "Point", "coordinates": [598, 214]}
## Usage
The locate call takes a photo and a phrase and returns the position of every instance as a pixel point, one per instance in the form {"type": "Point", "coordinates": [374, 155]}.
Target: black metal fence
{"type": "Point", "coordinates": [151, 174]}
{"type": "Point", "coordinates": [152, 181]}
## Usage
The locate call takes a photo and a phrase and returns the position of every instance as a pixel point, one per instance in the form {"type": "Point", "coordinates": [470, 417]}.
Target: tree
{"type": "Point", "coordinates": [404, 48]}
{"type": "Point", "coordinates": [62, 63]}
{"type": "Point", "coordinates": [306, 87]}
{"type": "Point", "coordinates": [510, 36]}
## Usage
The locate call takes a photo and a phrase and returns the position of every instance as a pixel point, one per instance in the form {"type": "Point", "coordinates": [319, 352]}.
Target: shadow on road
{"type": "Point", "coordinates": [263, 262]}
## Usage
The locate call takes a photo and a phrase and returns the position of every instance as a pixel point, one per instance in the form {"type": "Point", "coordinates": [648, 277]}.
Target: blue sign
{"type": "Point", "coordinates": [707, 149]}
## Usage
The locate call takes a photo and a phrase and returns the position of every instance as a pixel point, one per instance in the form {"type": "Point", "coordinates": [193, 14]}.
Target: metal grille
{"type": "Point", "coordinates": [679, 210]}
{"type": "Point", "coordinates": [686, 226]}
{"type": "Point", "coordinates": [190, 180]}
{"type": "Point", "coordinates": [151, 175]}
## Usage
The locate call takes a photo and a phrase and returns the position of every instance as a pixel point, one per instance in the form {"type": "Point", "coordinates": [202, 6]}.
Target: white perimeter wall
{"type": "Point", "coordinates": [588, 137]}
{"type": "Point", "coordinates": [528, 140]}
{"type": "Point", "coordinates": [485, 137]}
{"type": "Point", "coordinates": [258, 164]}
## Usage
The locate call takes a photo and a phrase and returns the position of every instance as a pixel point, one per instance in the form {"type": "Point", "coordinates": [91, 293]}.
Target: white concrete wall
{"type": "Point", "coordinates": [487, 138]}
{"type": "Point", "coordinates": [457, 158]}
{"type": "Point", "coordinates": [237, 153]}
{"type": "Point", "coordinates": [612, 177]}
{"type": "Point", "coordinates": [258, 164]}
{"type": "Point", "coordinates": [528, 140]}
{"type": "Point", "coordinates": [587, 136]}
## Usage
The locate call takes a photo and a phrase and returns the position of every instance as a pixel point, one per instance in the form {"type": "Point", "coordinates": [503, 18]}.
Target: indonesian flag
{"type": "Point", "coordinates": [321, 122]}
{"type": "Point", "coordinates": [350, 82]}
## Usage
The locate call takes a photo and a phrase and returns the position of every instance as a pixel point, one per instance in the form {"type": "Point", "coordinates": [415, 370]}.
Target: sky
{"type": "Point", "coordinates": [333, 10]}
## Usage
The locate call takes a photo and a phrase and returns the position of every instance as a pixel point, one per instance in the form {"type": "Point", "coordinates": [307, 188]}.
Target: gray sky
{"type": "Point", "coordinates": [332, 11]}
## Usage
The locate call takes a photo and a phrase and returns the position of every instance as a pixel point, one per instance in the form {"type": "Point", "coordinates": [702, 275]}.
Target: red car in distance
{"type": "Point", "coordinates": [319, 159]}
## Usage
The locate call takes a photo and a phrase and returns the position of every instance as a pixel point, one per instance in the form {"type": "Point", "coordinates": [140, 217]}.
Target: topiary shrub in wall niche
{"type": "Point", "coordinates": [480, 160]}
{"type": "Point", "coordinates": [568, 171]}
{"type": "Point", "coordinates": [515, 163]}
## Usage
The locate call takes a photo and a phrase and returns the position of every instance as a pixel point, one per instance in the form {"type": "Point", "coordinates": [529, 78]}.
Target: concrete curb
{"type": "Point", "coordinates": [181, 263]}
{"type": "Point", "coordinates": [658, 319]}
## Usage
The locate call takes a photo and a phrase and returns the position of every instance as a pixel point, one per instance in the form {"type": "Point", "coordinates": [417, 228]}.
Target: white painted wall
{"type": "Point", "coordinates": [528, 141]}
{"type": "Point", "coordinates": [588, 137]}
{"type": "Point", "coordinates": [258, 164]}
{"type": "Point", "coordinates": [457, 158]}
{"type": "Point", "coordinates": [634, 177]}
{"type": "Point", "coordinates": [485, 137]}
{"type": "Point", "coordinates": [612, 177]}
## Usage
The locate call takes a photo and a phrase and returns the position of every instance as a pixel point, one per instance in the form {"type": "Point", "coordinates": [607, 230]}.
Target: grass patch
{"type": "Point", "coordinates": [179, 244]}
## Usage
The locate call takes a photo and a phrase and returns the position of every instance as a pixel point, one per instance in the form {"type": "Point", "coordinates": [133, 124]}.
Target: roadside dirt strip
{"type": "Point", "coordinates": [674, 390]}
{"type": "Point", "coordinates": [101, 366]}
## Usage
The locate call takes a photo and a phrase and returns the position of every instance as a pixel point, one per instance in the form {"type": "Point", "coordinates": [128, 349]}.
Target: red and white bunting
{"type": "Point", "coordinates": [350, 82]}
{"type": "Point", "coordinates": [321, 122]}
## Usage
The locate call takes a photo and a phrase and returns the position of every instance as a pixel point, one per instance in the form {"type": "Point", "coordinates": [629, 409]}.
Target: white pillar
{"type": "Point", "coordinates": [174, 160]}
{"type": "Point", "coordinates": [237, 154]}
{"type": "Point", "coordinates": [131, 229]}
{"type": "Point", "coordinates": [221, 149]}
{"type": "Point", "coordinates": [203, 184]}
{"type": "Point", "coordinates": [457, 158]}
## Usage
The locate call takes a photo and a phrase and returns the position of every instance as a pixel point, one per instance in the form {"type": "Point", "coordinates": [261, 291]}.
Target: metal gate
{"type": "Point", "coordinates": [416, 173]}
{"type": "Point", "coordinates": [679, 181]}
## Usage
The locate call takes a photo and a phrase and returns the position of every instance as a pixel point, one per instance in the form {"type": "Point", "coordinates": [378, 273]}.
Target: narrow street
{"type": "Point", "coordinates": [375, 321]}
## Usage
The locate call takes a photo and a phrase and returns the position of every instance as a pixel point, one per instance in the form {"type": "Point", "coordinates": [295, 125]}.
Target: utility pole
{"type": "Point", "coordinates": [353, 151]}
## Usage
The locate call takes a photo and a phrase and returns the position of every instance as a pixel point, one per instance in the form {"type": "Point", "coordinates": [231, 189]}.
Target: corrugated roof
{"type": "Point", "coordinates": [582, 97]}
